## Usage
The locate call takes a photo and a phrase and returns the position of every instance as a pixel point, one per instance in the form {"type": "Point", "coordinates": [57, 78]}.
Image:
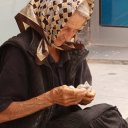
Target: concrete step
{"type": "Point", "coordinates": [108, 54]}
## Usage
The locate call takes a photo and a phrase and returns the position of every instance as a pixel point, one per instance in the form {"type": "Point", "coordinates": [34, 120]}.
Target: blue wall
{"type": "Point", "coordinates": [114, 13]}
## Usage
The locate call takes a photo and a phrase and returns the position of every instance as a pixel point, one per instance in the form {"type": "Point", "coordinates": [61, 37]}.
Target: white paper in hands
{"type": "Point", "coordinates": [86, 85]}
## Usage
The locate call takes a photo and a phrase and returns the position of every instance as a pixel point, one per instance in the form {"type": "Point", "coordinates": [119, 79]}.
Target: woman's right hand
{"type": "Point", "coordinates": [66, 96]}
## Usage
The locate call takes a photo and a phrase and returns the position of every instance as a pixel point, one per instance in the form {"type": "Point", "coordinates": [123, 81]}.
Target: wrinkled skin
{"type": "Point", "coordinates": [66, 96]}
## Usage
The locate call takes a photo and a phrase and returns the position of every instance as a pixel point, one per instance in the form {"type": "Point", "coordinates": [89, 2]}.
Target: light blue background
{"type": "Point", "coordinates": [8, 26]}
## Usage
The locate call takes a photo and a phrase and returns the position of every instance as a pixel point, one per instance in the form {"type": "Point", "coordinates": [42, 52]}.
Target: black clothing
{"type": "Point", "coordinates": [97, 116]}
{"type": "Point", "coordinates": [21, 78]}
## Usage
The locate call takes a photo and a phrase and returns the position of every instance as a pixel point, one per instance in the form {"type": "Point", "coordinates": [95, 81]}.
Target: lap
{"type": "Point", "coordinates": [101, 115]}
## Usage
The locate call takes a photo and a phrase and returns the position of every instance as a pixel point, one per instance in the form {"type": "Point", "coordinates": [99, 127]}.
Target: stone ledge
{"type": "Point", "coordinates": [105, 61]}
{"type": "Point", "coordinates": [108, 54]}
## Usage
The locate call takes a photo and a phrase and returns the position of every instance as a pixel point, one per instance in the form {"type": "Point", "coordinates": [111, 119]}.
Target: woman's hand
{"type": "Point", "coordinates": [88, 97]}
{"type": "Point", "coordinates": [66, 96]}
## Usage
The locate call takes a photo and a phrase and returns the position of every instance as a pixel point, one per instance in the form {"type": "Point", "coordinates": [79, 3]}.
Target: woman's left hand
{"type": "Point", "coordinates": [89, 97]}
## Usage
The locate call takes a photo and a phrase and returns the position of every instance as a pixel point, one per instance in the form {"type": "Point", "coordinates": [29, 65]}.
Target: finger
{"type": "Point", "coordinates": [86, 98]}
{"type": "Point", "coordinates": [72, 92]}
{"type": "Point", "coordinates": [89, 99]}
{"type": "Point", "coordinates": [68, 102]}
{"type": "Point", "coordinates": [86, 101]}
{"type": "Point", "coordinates": [91, 93]}
{"type": "Point", "coordinates": [75, 98]}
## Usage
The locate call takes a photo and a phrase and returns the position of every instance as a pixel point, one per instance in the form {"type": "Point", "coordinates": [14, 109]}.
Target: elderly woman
{"type": "Point", "coordinates": [43, 69]}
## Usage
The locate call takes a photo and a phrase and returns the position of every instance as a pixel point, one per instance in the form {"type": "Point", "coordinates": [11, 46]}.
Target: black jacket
{"type": "Point", "coordinates": [76, 71]}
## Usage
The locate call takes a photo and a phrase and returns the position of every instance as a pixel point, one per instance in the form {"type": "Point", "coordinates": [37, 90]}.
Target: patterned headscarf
{"type": "Point", "coordinates": [48, 17]}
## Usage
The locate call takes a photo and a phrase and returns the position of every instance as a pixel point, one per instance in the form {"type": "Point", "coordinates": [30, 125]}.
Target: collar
{"type": "Point", "coordinates": [34, 42]}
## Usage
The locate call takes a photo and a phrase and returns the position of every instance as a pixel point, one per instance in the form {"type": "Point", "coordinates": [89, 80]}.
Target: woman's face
{"type": "Point", "coordinates": [74, 24]}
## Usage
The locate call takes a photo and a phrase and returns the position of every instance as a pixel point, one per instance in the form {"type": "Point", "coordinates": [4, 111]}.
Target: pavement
{"type": "Point", "coordinates": [109, 68]}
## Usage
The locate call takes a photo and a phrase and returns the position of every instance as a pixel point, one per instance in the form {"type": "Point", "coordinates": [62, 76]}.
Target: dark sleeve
{"type": "Point", "coordinates": [13, 77]}
{"type": "Point", "coordinates": [83, 74]}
